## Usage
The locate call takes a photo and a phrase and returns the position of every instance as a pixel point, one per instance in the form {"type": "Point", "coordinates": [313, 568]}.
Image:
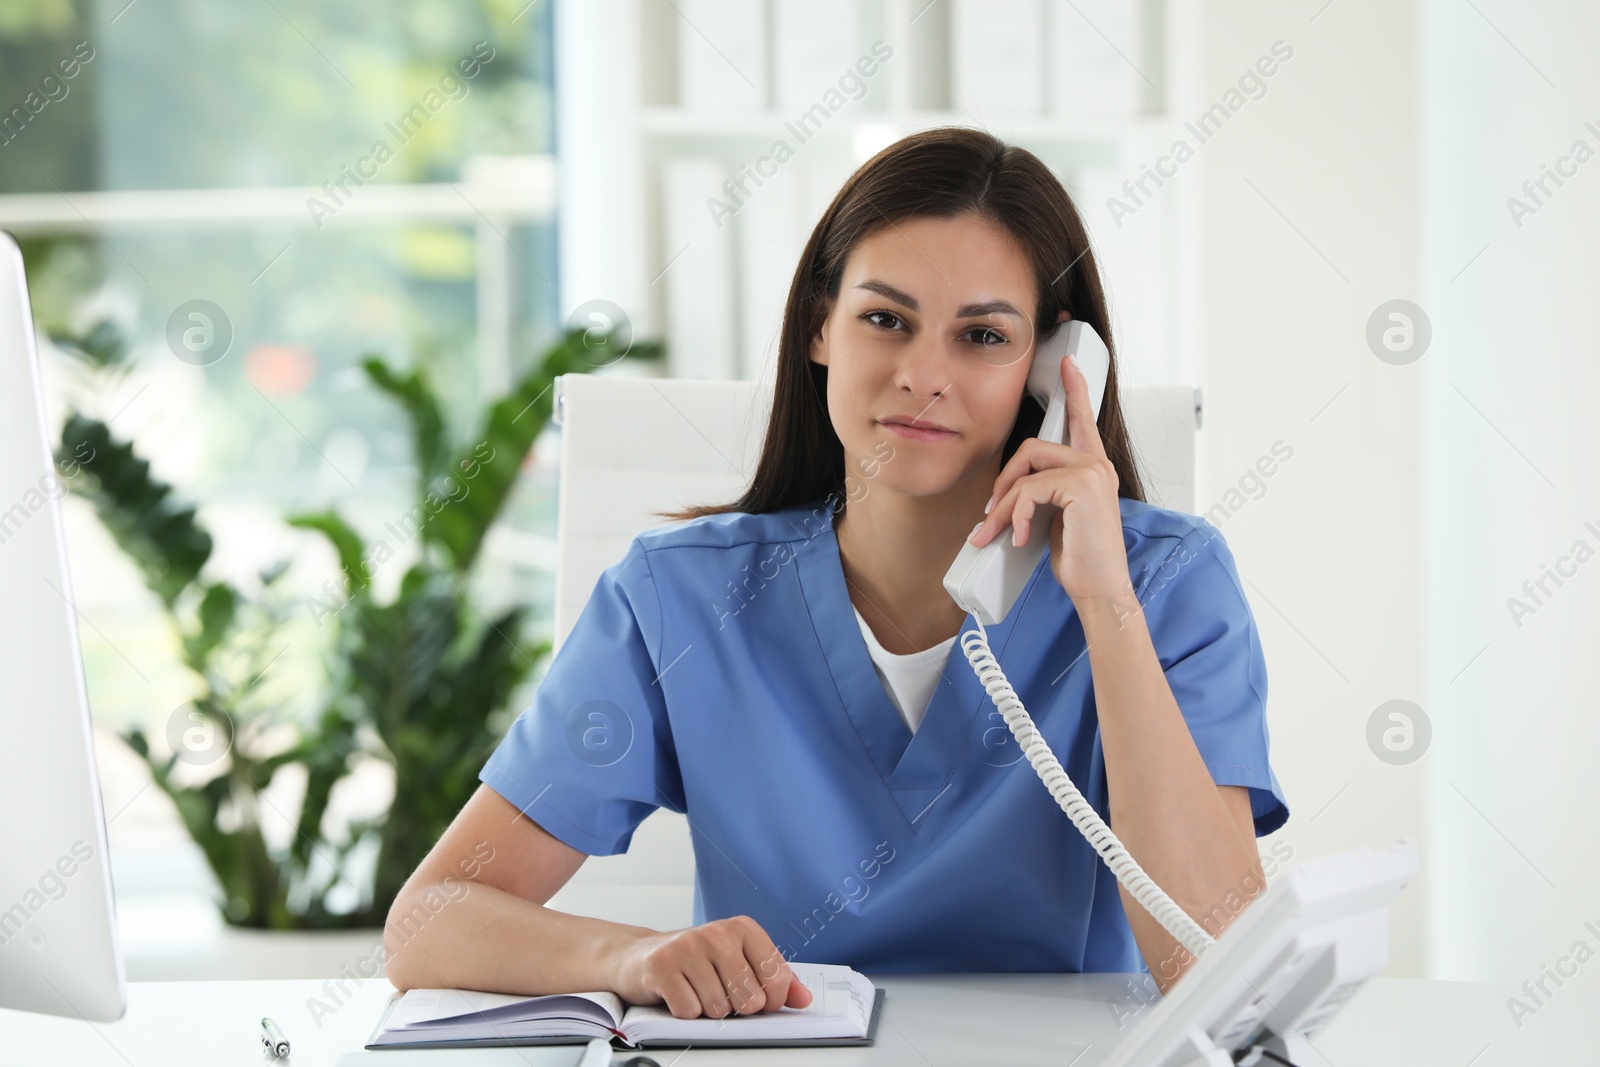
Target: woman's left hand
{"type": "Point", "coordinates": [1076, 485]}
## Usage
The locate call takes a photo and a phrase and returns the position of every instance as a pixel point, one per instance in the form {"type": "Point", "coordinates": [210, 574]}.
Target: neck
{"type": "Point", "coordinates": [895, 550]}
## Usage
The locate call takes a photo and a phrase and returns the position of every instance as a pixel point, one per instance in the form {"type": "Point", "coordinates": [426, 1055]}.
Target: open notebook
{"type": "Point", "coordinates": [843, 1011]}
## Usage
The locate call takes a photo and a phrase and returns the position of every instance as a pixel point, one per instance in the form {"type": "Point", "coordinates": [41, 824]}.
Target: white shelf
{"type": "Point", "coordinates": [627, 130]}
{"type": "Point", "coordinates": [668, 123]}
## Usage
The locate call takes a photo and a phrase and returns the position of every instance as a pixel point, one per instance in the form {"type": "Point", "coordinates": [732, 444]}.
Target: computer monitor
{"type": "Point", "coordinates": [58, 931]}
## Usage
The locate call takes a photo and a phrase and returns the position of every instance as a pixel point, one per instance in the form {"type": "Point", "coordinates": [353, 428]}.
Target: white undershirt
{"type": "Point", "coordinates": [909, 679]}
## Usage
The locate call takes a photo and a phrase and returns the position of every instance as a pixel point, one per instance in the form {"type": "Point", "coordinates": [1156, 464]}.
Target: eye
{"type": "Point", "coordinates": [995, 337]}
{"type": "Point", "coordinates": [868, 317]}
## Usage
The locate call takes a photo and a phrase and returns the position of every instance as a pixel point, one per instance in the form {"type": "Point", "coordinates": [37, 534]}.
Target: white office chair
{"type": "Point", "coordinates": [631, 446]}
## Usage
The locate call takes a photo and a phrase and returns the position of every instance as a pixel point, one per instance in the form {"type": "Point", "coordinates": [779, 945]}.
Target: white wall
{"type": "Point", "coordinates": [1381, 557]}
{"type": "Point", "coordinates": [1511, 392]}
{"type": "Point", "coordinates": [1309, 198]}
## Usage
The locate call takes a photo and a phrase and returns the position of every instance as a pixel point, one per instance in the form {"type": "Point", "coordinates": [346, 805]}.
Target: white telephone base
{"type": "Point", "coordinates": [1203, 1052]}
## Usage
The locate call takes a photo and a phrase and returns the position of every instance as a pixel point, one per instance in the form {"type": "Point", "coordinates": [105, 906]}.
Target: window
{"type": "Point", "coordinates": [326, 181]}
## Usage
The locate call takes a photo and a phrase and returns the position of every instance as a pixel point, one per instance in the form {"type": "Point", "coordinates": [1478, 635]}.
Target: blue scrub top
{"type": "Point", "coordinates": [718, 670]}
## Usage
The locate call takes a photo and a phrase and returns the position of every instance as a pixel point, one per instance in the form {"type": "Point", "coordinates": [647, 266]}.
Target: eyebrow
{"type": "Point", "coordinates": [966, 311]}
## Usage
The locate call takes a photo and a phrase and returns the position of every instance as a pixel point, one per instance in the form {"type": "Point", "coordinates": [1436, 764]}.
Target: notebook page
{"type": "Point", "coordinates": [424, 1009]}
{"type": "Point", "coordinates": [836, 990]}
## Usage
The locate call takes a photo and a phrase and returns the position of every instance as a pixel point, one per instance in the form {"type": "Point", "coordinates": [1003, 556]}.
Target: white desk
{"type": "Point", "coordinates": [928, 1020]}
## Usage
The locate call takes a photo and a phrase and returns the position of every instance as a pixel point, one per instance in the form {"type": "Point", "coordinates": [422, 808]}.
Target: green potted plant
{"type": "Point", "coordinates": [418, 679]}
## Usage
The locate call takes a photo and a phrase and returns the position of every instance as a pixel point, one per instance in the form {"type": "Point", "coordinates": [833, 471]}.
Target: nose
{"type": "Point", "coordinates": [924, 369]}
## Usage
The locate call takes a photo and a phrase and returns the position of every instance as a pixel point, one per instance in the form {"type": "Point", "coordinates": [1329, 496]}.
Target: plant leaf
{"type": "Point", "coordinates": [415, 394]}
{"type": "Point", "coordinates": [103, 347]}
{"type": "Point", "coordinates": [487, 469]}
{"type": "Point", "coordinates": [346, 542]}
{"type": "Point", "coordinates": [217, 610]}
{"type": "Point", "coordinates": [158, 533]}
{"type": "Point", "coordinates": [326, 756]}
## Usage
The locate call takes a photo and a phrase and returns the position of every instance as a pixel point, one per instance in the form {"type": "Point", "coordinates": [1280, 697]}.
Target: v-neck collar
{"type": "Point", "coordinates": [915, 768]}
{"type": "Point", "coordinates": [876, 651]}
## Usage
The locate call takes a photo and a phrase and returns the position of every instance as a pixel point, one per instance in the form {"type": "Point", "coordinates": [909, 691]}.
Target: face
{"type": "Point", "coordinates": [934, 325]}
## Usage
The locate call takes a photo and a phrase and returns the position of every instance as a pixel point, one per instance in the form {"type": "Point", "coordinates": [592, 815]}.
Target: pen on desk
{"type": "Point", "coordinates": [272, 1039]}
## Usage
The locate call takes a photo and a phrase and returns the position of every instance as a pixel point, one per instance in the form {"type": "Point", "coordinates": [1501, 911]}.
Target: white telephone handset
{"type": "Point", "coordinates": [987, 581]}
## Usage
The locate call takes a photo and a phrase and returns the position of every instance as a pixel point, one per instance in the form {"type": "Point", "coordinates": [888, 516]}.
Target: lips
{"type": "Point", "coordinates": [918, 430]}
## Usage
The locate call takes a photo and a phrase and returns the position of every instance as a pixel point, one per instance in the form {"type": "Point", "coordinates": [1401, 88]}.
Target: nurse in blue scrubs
{"type": "Point", "coordinates": [785, 669]}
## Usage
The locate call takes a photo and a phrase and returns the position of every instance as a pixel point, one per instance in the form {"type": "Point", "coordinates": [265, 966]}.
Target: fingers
{"type": "Point", "coordinates": [999, 515]}
{"type": "Point", "coordinates": [799, 995]}
{"type": "Point", "coordinates": [678, 992]}
{"type": "Point", "coordinates": [1051, 488]}
{"type": "Point", "coordinates": [765, 980]}
{"type": "Point", "coordinates": [1033, 456]}
{"type": "Point", "coordinates": [1082, 432]}
{"type": "Point", "coordinates": [726, 967]}
{"type": "Point", "coordinates": [738, 980]}
{"type": "Point", "coordinates": [1019, 508]}
{"type": "Point", "coordinates": [703, 975]}
{"type": "Point", "coordinates": [1022, 518]}
{"type": "Point", "coordinates": [771, 971]}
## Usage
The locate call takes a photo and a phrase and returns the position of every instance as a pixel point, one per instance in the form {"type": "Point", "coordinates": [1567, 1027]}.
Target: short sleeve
{"type": "Point", "coordinates": [593, 755]}
{"type": "Point", "coordinates": [1205, 637]}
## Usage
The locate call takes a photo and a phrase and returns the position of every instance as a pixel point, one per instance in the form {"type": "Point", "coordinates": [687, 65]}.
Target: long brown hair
{"type": "Point", "coordinates": [941, 172]}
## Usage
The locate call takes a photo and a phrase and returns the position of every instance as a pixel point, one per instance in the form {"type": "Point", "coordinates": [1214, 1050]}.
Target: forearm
{"type": "Point", "coordinates": [467, 935]}
{"type": "Point", "coordinates": [1164, 805]}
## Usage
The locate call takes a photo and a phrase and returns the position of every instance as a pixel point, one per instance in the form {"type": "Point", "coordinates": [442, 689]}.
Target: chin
{"type": "Point", "coordinates": [918, 484]}
{"type": "Point", "coordinates": [886, 462]}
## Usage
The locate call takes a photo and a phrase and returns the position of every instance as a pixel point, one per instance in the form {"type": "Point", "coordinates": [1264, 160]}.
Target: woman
{"type": "Point", "coordinates": [783, 668]}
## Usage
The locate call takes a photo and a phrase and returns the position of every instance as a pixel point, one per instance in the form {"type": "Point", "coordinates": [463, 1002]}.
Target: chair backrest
{"type": "Point", "coordinates": [632, 446]}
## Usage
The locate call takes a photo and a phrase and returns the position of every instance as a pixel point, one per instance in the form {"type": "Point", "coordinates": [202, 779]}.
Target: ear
{"type": "Point", "coordinates": [818, 351]}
